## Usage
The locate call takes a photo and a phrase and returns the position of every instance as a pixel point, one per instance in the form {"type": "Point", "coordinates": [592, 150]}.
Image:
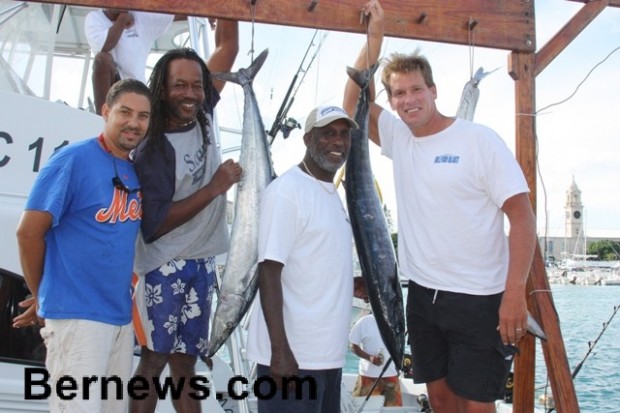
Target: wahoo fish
{"type": "Point", "coordinates": [240, 280]}
{"type": "Point", "coordinates": [370, 231]}
{"type": "Point", "coordinates": [470, 94]}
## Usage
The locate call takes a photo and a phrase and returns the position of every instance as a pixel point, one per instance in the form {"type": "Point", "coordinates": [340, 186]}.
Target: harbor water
{"type": "Point", "coordinates": [582, 311]}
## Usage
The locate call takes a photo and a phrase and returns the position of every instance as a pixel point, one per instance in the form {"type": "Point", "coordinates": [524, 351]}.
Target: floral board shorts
{"type": "Point", "coordinates": [178, 305]}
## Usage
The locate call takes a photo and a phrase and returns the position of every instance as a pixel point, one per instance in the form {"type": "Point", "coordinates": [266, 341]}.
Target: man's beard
{"type": "Point", "coordinates": [321, 160]}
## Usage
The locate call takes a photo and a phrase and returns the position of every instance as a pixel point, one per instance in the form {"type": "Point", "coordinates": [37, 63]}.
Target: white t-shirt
{"type": "Point", "coordinates": [134, 45]}
{"type": "Point", "coordinates": [365, 333]}
{"type": "Point", "coordinates": [450, 188]}
{"type": "Point", "coordinates": [308, 230]}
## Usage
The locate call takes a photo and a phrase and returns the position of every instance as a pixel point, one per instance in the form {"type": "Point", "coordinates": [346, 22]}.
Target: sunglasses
{"type": "Point", "coordinates": [118, 183]}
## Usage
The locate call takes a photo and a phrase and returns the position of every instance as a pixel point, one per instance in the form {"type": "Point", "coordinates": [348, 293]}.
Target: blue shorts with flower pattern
{"type": "Point", "coordinates": [178, 301]}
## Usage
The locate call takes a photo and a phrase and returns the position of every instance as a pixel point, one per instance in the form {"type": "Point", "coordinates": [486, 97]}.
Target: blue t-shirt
{"type": "Point", "coordinates": [90, 247]}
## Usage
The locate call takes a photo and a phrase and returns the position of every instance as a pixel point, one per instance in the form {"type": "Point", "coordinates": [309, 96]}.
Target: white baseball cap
{"type": "Point", "coordinates": [324, 115]}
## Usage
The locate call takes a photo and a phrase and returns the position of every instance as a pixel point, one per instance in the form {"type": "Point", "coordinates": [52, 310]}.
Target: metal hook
{"type": "Point", "coordinates": [364, 18]}
{"type": "Point", "coordinates": [471, 24]}
{"type": "Point", "coordinates": [312, 5]}
{"type": "Point", "coordinates": [421, 18]}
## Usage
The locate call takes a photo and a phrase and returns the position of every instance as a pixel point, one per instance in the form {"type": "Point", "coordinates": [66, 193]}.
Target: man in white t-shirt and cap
{"type": "Point", "coordinates": [298, 332]}
{"type": "Point", "coordinates": [121, 41]}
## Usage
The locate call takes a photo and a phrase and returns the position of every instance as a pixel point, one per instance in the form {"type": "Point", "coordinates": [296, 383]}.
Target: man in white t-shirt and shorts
{"type": "Point", "coordinates": [455, 182]}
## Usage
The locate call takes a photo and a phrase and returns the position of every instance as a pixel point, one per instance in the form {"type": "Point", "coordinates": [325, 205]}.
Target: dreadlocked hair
{"type": "Point", "coordinates": [157, 85]}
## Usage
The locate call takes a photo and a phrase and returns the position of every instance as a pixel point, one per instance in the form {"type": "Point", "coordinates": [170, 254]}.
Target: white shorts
{"type": "Point", "coordinates": [84, 349]}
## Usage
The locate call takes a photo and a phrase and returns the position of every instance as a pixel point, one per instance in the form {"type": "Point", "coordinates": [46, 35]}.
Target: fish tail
{"type": "Point", "coordinates": [362, 78]}
{"type": "Point", "coordinates": [244, 76]}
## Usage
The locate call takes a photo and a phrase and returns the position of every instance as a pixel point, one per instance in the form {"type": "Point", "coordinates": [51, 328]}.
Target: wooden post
{"type": "Point", "coordinates": [520, 69]}
{"type": "Point", "coordinates": [540, 300]}
{"type": "Point", "coordinates": [561, 380]}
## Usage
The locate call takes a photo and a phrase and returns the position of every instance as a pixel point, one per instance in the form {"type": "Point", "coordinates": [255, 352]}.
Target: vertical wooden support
{"type": "Point", "coordinates": [554, 352]}
{"type": "Point", "coordinates": [520, 66]}
{"type": "Point", "coordinates": [540, 301]}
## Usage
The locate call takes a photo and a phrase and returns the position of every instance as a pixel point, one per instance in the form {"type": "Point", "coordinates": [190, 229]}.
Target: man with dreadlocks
{"type": "Point", "coordinates": [184, 185]}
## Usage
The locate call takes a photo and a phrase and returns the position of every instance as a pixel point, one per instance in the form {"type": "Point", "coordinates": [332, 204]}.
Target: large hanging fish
{"type": "Point", "coordinates": [240, 281]}
{"type": "Point", "coordinates": [470, 95]}
{"type": "Point", "coordinates": [372, 237]}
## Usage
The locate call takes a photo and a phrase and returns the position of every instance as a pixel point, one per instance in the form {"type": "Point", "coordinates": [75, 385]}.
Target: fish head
{"type": "Point", "coordinates": [228, 313]}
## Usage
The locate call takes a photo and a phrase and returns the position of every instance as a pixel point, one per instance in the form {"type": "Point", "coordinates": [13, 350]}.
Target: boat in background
{"type": "Point", "coordinates": [613, 278]}
{"type": "Point", "coordinates": [581, 269]}
{"type": "Point", "coordinates": [45, 66]}
{"type": "Point", "coordinates": [43, 52]}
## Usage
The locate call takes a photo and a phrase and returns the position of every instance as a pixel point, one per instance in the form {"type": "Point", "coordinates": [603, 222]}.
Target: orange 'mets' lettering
{"type": "Point", "coordinates": [120, 210]}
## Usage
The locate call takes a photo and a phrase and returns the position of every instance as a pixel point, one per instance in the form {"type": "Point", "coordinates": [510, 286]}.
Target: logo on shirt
{"type": "Point", "coordinates": [131, 32]}
{"type": "Point", "coordinates": [196, 164]}
{"type": "Point", "coordinates": [447, 158]}
{"type": "Point", "coordinates": [121, 208]}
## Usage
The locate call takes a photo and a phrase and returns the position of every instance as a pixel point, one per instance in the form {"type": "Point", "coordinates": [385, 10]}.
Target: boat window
{"type": "Point", "coordinates": [17, 344]}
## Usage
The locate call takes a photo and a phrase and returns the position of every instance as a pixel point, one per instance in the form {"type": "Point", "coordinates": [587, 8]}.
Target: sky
{"type": "Point", "coordinates": [576, 139]}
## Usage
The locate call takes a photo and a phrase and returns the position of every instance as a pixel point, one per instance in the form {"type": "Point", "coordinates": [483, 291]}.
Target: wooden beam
{"type": "Point", "coordinates": [568, 33]}
{"type": "Point", "coordinates": [507, 25]}
{"type": "Point", "coordinates": [612, 3]}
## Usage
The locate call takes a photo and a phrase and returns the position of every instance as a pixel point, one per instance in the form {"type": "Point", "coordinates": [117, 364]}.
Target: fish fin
{"type": "Point", "coordinates": [257, 63]}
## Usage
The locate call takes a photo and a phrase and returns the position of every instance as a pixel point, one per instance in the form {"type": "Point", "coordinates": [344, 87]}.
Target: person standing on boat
{"type": "Point", "coordinates": [76, 242]}
{"type": "Point", "coordinates": [184, 185]}
{"type": "Point", "coordinates": [121, 41]}
{"type": "Point", "coordinates": [454, 180]}
{"type": "Point", "coordinates": [367, 344]}
{"type": "Point", "coordinates": [299, 324]}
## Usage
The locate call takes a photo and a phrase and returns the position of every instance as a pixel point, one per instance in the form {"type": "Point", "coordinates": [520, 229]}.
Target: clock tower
{"type": "Point", "coordinates": [574, 219]}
